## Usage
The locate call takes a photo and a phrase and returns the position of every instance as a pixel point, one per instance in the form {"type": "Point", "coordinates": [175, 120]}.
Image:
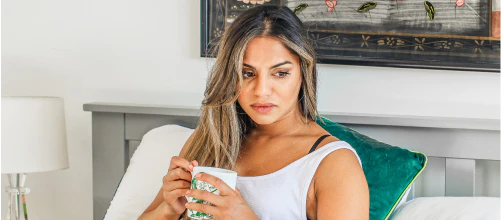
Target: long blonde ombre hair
{"type": "Point", "coordinates": [222, 123]}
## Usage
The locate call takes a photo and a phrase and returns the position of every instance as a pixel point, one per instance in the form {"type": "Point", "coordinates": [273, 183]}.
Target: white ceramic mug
{"type": "Point", "coordinates": [227, 176]}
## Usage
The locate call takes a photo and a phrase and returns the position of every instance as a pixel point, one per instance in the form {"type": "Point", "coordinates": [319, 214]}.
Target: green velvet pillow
{"type": "Point", "coordinates": [389, 170]}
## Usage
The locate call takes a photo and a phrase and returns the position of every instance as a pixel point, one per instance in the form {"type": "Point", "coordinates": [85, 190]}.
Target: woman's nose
{"type": "Point", "coordinates": [263, 87]}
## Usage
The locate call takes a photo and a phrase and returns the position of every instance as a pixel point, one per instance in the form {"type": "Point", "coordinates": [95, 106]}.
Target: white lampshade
{"type": "Point", "coordinates": [33, 134]}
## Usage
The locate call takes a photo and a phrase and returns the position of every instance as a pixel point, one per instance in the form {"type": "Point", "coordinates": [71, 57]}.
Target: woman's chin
{"type": "Point", "coordinates": [263, 119]}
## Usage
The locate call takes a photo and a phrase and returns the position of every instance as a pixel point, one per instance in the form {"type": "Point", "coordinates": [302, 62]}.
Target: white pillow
{"type": "Point", "coordinates": [404, 198]}
{"type": "Point", "coordinates": [457, 208]}
{"type": "Point", "coordinates": [148, 165]}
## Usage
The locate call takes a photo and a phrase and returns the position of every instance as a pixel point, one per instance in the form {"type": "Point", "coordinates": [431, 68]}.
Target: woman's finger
{"type": "Point", "coordinates": [220, 185]}
{"type": "Point", "coordinates": [177, 184]}
{"type": "Point", "coordinates": [202, 208]}
{"type": "Point", "coordinates": [194, 162]}
{"type": "Point", "coordinates": [172, 196]}
{"type": "Point", "coordinates": [176, 162]}
{"type": "Point", "coordinates": [206, 196]}
{"type": "Point", "coordinates": [176, 174]}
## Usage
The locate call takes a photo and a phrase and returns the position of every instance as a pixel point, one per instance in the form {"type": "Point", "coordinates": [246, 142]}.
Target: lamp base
{"type": "Point", "coordinates": [17, 192]}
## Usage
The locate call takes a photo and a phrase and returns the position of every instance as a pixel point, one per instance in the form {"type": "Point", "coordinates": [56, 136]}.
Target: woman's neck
{"type": "Point", "coordinates": [283, 128]}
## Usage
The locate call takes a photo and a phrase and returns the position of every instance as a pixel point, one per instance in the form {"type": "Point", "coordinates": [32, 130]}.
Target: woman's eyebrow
{"type": "Point", "coordinates": [274, 66]}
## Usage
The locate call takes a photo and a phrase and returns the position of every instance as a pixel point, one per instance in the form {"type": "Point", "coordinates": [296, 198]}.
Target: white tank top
{"type": "Point", "coordinates": [282, 194]}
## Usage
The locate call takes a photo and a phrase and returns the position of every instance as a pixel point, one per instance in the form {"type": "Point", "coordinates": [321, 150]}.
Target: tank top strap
{"type": "Point", "coordinates": [318, 142]}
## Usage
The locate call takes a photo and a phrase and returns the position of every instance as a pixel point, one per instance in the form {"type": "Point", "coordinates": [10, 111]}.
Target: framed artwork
{"type": "Point", "coordinates": [434, 34]}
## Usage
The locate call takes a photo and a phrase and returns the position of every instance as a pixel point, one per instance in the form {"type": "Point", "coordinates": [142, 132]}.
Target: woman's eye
{"type": "Point", "coordinates": [282, 74]}
{"type": "Point", "coordinates": [246, 74]}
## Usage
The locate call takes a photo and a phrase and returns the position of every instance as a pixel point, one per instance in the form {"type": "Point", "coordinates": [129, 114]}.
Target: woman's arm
{"type": "Point", "coordinates": [341, 187]}
{"type": "Point", "coordinates": [158, 214]}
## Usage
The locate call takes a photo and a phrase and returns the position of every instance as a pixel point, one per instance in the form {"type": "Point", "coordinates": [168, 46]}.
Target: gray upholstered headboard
{"type": "Point", "coordinates": [463, 154]}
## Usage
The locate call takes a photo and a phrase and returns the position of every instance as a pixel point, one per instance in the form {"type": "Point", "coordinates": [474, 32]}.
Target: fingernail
{"type": "Point", "coordinates": [186, 205]}
{"type": "Point", "coordinates": [187, 192]}
{"type": "Point", "coordinates": [198, 175]}
{"type": "Point", "coordinates": [191, 167]}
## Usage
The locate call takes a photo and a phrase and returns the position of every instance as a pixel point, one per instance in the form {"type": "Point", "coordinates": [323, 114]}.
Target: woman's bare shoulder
{"type": "Point", "coordinates": [341, 187]}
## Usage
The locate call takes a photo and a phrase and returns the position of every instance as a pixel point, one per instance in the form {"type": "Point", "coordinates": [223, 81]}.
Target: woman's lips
{"type": "Point", "coordinates": [263, 109]}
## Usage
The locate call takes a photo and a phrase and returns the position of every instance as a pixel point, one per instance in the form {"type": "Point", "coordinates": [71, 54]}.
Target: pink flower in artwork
{"type": "Point", "coordinates": [330, 5]}
{"type": "Point", "coordinates": [254, 1]}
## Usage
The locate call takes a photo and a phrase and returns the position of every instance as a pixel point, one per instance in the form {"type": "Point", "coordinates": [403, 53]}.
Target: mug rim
{"type": "Point", "coordinates": [212, 169]}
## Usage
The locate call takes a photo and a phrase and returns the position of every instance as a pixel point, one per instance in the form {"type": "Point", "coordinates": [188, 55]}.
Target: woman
{"type": "Point", "coordinates": [258, 118]}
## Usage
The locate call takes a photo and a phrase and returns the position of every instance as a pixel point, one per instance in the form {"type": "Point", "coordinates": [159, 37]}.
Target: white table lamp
{"type": "Point", "coordinates": [33, 140]}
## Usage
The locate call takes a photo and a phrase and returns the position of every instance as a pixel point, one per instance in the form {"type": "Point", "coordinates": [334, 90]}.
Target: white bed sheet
{"type": "Point", "coordinates": [457, 208]}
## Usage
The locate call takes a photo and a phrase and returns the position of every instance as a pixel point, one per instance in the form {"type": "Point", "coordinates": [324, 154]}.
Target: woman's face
{"type": "Point", "coordinates": [271, 75]}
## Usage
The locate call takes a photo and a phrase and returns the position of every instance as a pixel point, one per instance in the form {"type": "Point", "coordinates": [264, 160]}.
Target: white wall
{"type": "Point", "coordinates": [148, 52]}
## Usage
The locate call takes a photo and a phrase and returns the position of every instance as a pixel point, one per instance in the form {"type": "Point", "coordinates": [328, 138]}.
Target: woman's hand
{"type": "Point", "coordinates": [175, 184]}
{"type": "Point", "coordinates": [229, 204]}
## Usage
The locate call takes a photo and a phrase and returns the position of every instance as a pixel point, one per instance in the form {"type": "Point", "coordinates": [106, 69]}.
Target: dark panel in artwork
{"type": "Point", "coordinates": [406, 47]}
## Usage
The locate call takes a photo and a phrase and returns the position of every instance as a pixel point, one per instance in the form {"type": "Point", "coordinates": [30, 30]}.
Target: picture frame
{"type": "Point", "coordinates": [391, 33]}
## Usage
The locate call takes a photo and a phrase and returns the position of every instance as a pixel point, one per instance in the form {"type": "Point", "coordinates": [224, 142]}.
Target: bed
{"type": "Point", "coordinates": [463, 153]}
